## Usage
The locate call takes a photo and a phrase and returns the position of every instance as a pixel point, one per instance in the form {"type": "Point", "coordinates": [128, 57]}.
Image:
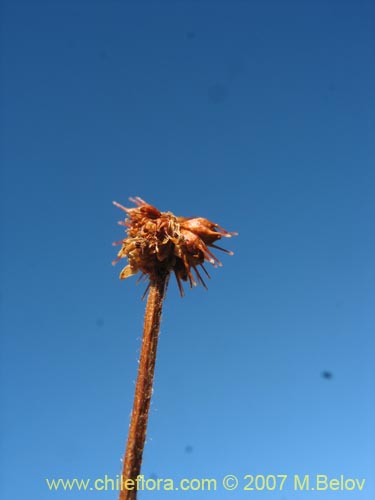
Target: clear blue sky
{"type": "Point", "coordinates": [257, 115]}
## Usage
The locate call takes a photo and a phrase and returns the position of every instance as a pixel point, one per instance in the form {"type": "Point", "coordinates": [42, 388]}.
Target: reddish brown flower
{"type": "Point", "coordinates": [159, 242]}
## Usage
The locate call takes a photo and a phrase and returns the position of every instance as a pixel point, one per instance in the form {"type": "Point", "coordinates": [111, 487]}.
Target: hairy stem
{"type": "Point", "coordinates": [143, 390]}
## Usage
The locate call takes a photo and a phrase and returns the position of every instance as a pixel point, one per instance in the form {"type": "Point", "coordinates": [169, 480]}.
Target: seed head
{"type": "Point", "coordinates": [159, 242]}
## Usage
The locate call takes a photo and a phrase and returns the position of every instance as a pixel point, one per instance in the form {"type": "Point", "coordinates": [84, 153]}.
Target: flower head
{"type": "Point", "coordinates": [159, 242]}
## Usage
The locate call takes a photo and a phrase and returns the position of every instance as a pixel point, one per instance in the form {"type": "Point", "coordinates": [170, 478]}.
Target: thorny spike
{"type": "Point", "coordinates": [180, 287]}
{"type": "Point", "coordinates": [137, 201]}
{"type": "Point", "coordinates": [121, 206]}
{"type": "Point", "coordinates": [200, 279]}
{"type": "Point", "coordinates": [206, 272]}
{"type": "Point", "coordinates": [229, 252]}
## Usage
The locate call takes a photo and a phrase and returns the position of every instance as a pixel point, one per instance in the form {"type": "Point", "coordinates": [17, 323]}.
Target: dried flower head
{"type": "Point", "coordinates": [159, 242]}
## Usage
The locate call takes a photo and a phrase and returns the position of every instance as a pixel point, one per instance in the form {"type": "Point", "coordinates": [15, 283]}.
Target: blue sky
{"type": "Point", "coordinates": [256, 115]}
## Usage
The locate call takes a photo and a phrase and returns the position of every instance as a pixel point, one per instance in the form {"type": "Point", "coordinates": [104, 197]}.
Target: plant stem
{"type": "Point", "coordinates": [143, 390]}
